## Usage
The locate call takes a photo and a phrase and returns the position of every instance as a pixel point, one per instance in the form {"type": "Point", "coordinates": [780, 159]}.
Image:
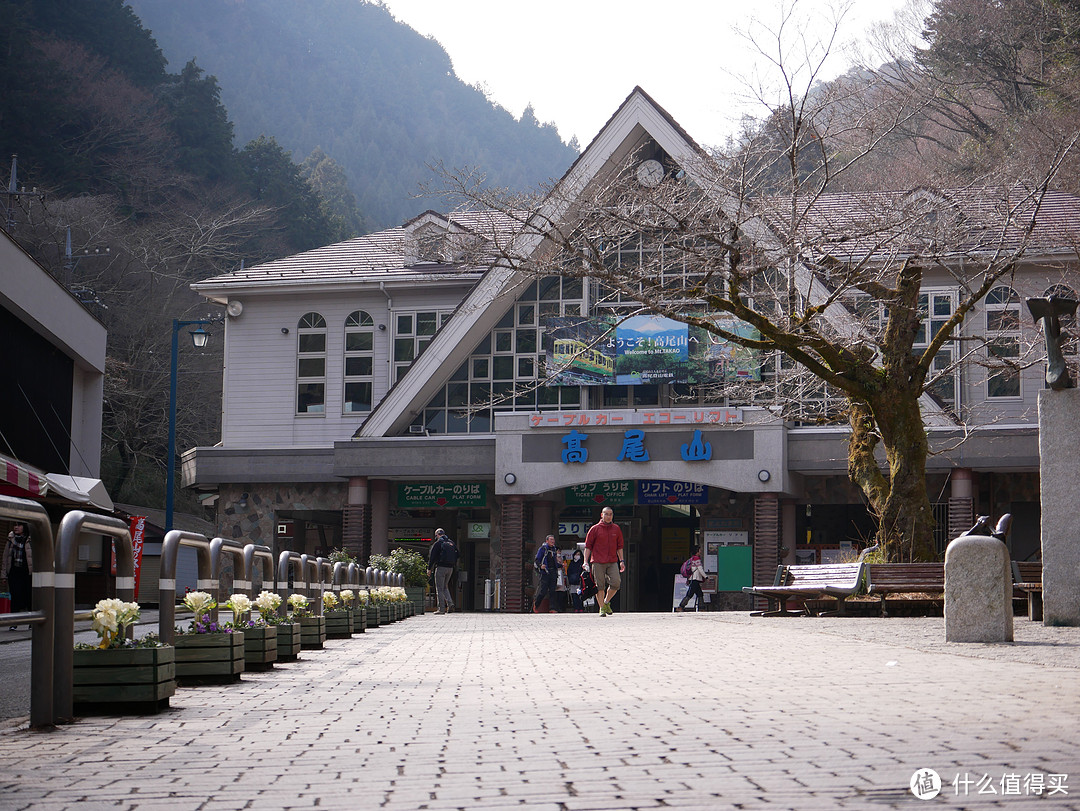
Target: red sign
{"type": "Point", "coordinates": [138, 531]}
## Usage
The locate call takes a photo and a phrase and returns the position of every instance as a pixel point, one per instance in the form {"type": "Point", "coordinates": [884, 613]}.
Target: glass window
{"type": "Point", "coordinates": [359, 362]}
{"type": "Point", "coordinates": [1003, 343]}
{"type": "Point", "coordinates": [311, 364]}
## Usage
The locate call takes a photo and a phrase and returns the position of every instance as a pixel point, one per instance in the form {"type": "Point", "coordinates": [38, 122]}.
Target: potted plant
{"type": "Point", "coordinates": [371, 610]}
{"type": "Point", "coordinates": [260, 639]}
{"type": "Point", "coordinates": [413, 568]}
{"type": "Point", "coordinates": [312, 627]}
{"type": "Point", "coordinates": [288, 631]}
{"type": "Point", "coordinates": [352, 603]}
{"type": "Point", "coordinates": [207, 652]}
{"type": "Point", "coordinates": [119, 675]}
{"type": "Point", "coordinates": [339, 621]}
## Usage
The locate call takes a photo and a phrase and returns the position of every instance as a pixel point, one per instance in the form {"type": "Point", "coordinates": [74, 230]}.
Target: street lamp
{"type": "Point", "coordinates": [199, 337]}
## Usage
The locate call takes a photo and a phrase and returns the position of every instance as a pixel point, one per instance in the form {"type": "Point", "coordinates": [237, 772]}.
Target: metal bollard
{"type": "Point", "coordinates": [294, 562]}
{"type": "Point", "coordinates": [218, 547]}
{"type": "Point", "coordinates": [170, 547]}
{"type": "Point", "coordinates": [262, 554]}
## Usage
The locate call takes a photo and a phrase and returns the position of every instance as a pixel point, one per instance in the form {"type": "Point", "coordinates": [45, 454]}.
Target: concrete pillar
{"type": "Point", "coordinates": [978, 591]}
{"type": "Point", "coordinates": [961, 501]}
{"type": "Point", "coordinates": [1059, 483]}
{"type": "Point", "coordinates": [380, 516]}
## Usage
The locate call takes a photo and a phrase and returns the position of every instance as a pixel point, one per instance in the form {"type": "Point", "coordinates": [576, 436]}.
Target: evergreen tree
{"type": "Point", "coordinates": [201, 125]}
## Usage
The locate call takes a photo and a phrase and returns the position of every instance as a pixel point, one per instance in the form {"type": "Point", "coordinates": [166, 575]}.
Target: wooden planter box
{"type": "Point", "coordinates": [384, 614]}
{"type": "Point", "coordinates": [312, 632]}
{"type": "Point", "coordinates": [124, 680]}
{"type": "Point", "coordinates": [359, 619]}
{"type": "Point", "coordinates": [209, 658]}
{"type": "Point", "coordinates": [416, 598]}
{"type": "Point", "coordinates": [260, 647]}
{"type": "Point", "coordinates": [288, 641]}
{"type": "Point", "coordinates": [372, 616]}
{"type": "Point", "coordinates": [339, 624]}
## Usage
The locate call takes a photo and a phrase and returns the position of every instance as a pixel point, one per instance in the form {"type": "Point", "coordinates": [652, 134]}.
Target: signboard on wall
{"type": "Point", "coordinates": [664, 492]}
{"type": "Point", "coordinates": [604, 493]}
{"type": "Point", "coordinates": [441, 496]}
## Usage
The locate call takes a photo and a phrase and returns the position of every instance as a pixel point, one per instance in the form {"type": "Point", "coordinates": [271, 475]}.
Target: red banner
{"type": "Point", "coordinates": [138, 531]}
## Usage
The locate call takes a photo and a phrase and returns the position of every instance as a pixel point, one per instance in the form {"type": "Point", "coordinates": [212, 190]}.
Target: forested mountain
{"type": "Point", "coordinates": [345, 77]}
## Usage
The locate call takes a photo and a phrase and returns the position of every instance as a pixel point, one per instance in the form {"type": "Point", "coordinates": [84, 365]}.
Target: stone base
{"type": "Point", "coordinates": [978, 591]}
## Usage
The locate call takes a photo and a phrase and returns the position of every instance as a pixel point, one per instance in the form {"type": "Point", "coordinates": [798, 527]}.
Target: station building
{"type": "Point", "coordinates": [377, 389]}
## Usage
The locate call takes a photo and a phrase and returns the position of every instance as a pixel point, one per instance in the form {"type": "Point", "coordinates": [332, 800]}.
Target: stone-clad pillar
{"type": "Point", "coordinates": [356, 522]}
{"type": "Point", "coordinates": [542, 525]}
{"type": "Point", "coordinates": [513, 545]}
{"type": "Point", "coordinates": [380, 517]}
{"type": "Point", "coordinates": [766, 541]}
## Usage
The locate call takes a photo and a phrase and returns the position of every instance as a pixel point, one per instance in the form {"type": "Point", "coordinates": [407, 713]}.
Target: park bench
{"type": "Point", "coordinates": [884, 579]}
{"type": "Point", "coordinates": [1027, 579]}
{"type": "Point", "coordinates": [837, 580]}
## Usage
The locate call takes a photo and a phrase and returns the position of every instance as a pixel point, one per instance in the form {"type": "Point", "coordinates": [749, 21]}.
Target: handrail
{"type": "Point", "coordinates": [170, 547]}
{"type": "Point", "coordinates": [42, 603]}
{"type": "Point", "coordinates": [73, 525]}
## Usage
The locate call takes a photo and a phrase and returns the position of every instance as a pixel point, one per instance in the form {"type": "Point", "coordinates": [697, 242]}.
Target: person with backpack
{"type": "Point", "coordinates": [547, 566]}
{"type": "Point", "coordinates": [693, 572]}
{"type": "Point", "coordinates": [441, 562]}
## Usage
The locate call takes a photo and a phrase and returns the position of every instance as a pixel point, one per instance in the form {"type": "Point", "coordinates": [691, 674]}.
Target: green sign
{"type": "Point", "coordinates": [605, 493]}
{"type": "Point", "coordinates": [441, 496]}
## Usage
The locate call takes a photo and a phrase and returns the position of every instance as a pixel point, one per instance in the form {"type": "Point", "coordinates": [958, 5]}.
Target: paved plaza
{"type": "Point", "coordinates": [567, 712]}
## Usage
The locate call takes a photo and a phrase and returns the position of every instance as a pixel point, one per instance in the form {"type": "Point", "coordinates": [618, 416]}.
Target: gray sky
{"type": "Point", "coordinates": [576, 60]}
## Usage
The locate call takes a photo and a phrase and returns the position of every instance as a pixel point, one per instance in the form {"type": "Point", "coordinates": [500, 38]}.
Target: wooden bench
{"type": "Point", "coordinates": [883, 579]}
{"type": "Point", "coordinates": [1027, 579]}
{"type": "Point", "coordinates": [838, 580]}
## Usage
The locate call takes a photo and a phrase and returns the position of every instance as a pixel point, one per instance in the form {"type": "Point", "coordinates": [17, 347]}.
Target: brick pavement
{"type": "Point", "coordinates": [502, 711]}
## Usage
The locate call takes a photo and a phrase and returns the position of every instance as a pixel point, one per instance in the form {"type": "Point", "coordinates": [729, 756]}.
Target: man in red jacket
{"type": "Point", "coordinates": [604, 557]}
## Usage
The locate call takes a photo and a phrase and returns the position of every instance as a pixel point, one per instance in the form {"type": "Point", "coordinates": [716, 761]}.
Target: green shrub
{"type": "Point", "coordinates": [405, 562]}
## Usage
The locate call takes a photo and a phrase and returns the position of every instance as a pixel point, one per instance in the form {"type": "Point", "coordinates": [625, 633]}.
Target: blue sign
{"type": "Point", "coordinates": [664, 492]}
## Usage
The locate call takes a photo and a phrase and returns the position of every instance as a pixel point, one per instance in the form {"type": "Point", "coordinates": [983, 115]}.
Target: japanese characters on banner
{"type": "Point", "coordinates": [434, 495]}
{"type": "Point", "coordinates": [615, 493]}
{"type": "Point", "coordinates": [646, 349]}
{"type": "Point", "coordinates": [137, 527]}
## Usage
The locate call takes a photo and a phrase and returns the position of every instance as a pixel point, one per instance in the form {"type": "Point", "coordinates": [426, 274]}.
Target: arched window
{"type": "Point", "coordinates": [359, 361]}
{"type": "Point", "coordinates": [1003, 342]}
{"type": "Point", "coordinates": [311, 364]}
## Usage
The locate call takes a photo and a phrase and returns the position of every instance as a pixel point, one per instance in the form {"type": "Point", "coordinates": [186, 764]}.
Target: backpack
{"type": "Point", "coordinates": [588, 585]}
{"type": "Point", "coordinates": [448, 553]}
{"type": "Point", "coordinates": [687, 569]}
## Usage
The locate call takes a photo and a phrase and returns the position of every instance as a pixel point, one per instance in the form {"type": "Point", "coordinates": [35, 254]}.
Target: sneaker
{"type": "Point", "coordinates": [440, 611]}
{"type": "Point", "coordinates": [536, 609]}
{"type": "Point", "coordinates": [607, 609]}
{"type": "Point", "coordinates": [603, 613]}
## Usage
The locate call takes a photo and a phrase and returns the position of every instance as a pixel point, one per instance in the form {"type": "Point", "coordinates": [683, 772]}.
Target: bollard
{"type": "Point", "coordinates": [73, 525]}
{"type": "Point", "coordinates": [174, 539]}
{"type": "Point", "coordinates": [42, 603]}
{"type": "Point", "coordinates": [290, 562]}
{"type": "Point", "coordinates": [257, 552]}
{"type": "Point", "coordinates": [978, 590]}
{"type": "Point", "coordinates": [226, 546]}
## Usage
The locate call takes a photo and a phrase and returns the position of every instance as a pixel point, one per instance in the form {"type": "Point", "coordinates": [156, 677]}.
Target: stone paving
{"type": "Point", "coordinates": [577, 713]}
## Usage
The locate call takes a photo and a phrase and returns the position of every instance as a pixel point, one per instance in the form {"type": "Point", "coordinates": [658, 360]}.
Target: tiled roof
{"type": "Point", "coordinates": [850, 226]}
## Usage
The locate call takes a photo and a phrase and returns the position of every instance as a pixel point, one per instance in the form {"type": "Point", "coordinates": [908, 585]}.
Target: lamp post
{"type": "Point", "coordinates": [199, 337]}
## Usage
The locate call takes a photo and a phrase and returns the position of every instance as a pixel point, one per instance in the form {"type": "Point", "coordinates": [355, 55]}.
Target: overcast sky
{"type": "Point", "coordinates": [576, 60]}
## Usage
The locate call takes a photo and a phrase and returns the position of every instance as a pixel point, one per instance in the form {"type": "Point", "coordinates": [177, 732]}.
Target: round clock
{"type": "Point", "coordinates": [650, 173]}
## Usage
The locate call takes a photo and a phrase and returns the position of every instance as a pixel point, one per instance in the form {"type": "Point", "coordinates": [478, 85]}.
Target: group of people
{"type": "Point", "coordinates": [603, 560]}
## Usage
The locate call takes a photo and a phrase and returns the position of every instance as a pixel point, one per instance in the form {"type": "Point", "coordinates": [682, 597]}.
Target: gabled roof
{"type": "Point", "coordinates": [637, 120]}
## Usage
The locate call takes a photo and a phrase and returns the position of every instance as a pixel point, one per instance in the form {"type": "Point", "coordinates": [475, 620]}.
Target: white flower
{"type": "Point", "coordinates": [267, 603]}
{"type": "Point", "coordinates": [329, 600]}
{"type": "Point", "coordinates": [298, 602]}
{"type": "Point", "coordinates": [239, 604]}
{"type": "Point", "coordinates": [347, 596]}
{"type": "Point", "coordinates": [199, 602]}
{"type": "Point", "coordinates": [111, 618]}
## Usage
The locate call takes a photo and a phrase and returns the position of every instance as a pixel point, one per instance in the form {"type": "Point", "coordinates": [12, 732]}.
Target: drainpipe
{"type": "Point", "coordinates": [390, 344]}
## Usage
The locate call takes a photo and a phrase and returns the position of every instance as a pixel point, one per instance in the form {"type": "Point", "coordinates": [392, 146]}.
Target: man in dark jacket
{"type": "Point", "coordinates": [547, 563]}
{"type": "Point", "coordinates": [441, 561]}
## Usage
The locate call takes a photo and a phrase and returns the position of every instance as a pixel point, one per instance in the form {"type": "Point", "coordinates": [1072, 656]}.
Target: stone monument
{"type": "Point", "coordinates": [978, 590]}
{"type": "Point", "coordinates": [1059, 470]}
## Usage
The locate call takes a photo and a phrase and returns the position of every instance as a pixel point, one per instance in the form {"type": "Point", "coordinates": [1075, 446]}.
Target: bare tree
{"type": "Point", "coordinates": [829, 286]}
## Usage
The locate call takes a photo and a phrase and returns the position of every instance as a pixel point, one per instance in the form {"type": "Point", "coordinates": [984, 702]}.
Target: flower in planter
{"type": "Point", "coordinates": [239, 604]}
{"type": "Point", "coordinates": [362, 598]}
{"type": "Point", "coordinates": [348, 597]}
{"type": "Point", "coordinates": [267, 604]}
{"type": "Point", "coordinates": [329, 601]}
{"type": "Point", "coordinates": [111, 619]}
{"type": "Point", "coordinates": [397, 594]}
{"type": "Point", "coordinates": [299, 605]}
{"type": "Point", "coordinates": [201, 604]}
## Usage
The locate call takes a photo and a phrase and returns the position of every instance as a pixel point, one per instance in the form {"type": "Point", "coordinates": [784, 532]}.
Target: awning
{"type": "Point", "coordinates": [34, 483]}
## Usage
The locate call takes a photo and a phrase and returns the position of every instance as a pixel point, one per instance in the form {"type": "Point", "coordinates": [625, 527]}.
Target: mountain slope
{"type": "Point", "coordinates": [375, 95]}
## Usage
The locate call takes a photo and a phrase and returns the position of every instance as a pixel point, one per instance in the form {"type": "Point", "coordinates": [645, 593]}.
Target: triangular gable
{"type": "Point", "coordinates": [637, 120]}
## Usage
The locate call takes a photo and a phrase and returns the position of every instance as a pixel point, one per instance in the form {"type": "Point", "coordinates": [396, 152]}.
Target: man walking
{"type": "Point", "coordinates": [441, 561]}
{"type": "Point", "coordinates": [547, 563]}
{"type": "Point", "coordinates": [604, 558]}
